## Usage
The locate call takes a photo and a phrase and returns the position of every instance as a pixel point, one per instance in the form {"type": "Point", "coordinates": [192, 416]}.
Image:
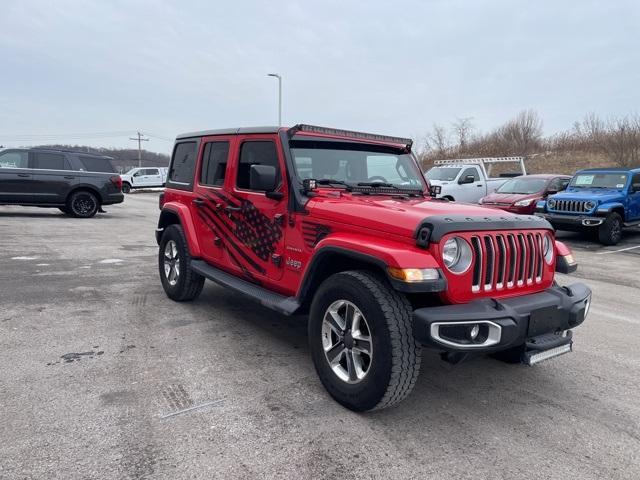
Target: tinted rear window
{"type": "Point", "coordinates": [183, 164]}
{"type": "Point", "coordinates": [96, 164]}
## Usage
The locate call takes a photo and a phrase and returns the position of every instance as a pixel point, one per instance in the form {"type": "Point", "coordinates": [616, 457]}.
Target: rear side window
{"type": "Point", "coordinates": [183, 164]}
{"type": "Point", "coordinates": [50, 161]}
{"type": "Point", "coordinates": [256, 153]}
{"type": "Point", "coordinates": [96, 164]}
{"type": "Point", "coordinates": [14, 160]}
{"type": "Point", "coordinates": [214, 163]}
{"type": "Point", "coordinates": [152, 171]}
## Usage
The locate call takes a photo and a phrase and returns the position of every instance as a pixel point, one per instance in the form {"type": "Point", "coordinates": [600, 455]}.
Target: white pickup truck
{"type": "Point", "coordinates": [144, 177]}
{"type": "Point", "coordinates": [468, 179]}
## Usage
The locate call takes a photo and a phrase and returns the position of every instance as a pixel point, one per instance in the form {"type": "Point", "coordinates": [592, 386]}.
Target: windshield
{"type": "Point", "coordinates": [599, 180]}
{"type": "Point", "coordinates": [354, 164]}
{"type": "Point", "coordinates": [522, 185]}
{"type": "Point", "coordinates": [447, 174]}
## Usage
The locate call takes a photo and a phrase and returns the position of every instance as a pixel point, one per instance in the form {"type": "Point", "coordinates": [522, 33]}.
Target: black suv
{"type": "Point", "coordinates": [78, 184]}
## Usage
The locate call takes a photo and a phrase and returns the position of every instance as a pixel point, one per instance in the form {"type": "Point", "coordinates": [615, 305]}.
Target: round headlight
{"type": "Point", "coordinates": [590, 205]}
{"type": "Point", "coordinates": [551, 203]}
{"type": "Point", "coordinates": [456, 255]}
{"type": "Point", "coordinates": [547, 249]}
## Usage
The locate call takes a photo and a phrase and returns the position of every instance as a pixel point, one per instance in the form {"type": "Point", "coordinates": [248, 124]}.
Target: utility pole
{"type": "Point", "coordinates": [279, 96]}
{"type": "Point", "coordinates": [139, 139]}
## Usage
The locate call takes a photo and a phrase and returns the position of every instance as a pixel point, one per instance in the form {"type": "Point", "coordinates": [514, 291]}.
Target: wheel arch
{"type": "Point", "coordinates": [607, 208]}
{"type": "Point", "coordinates": [85, 188]}
{"type": "Point", "coordinates": [178, 214]}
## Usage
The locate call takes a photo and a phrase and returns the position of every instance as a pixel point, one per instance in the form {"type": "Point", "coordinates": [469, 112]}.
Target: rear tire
{"type": "Point", "coordinates": [126, 188]}
{"type": "Point", "coordinates": [610, 232]}
{"type": "Point", "coordinates": [358, 380]}
{"type": "Point", "coordinates": [178, 279]}
{"type": "Point", "coordinates": [82, 204]}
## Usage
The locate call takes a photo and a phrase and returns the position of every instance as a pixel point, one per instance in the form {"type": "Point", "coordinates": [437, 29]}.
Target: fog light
{"type": "Point", "coordinates": [474, 331]}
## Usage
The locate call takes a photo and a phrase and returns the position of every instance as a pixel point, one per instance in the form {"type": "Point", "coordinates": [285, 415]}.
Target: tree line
{"type": "Point", "coordinates": [616, 139]}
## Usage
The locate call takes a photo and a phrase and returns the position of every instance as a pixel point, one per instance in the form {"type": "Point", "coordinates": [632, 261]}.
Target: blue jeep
{"type": "Point", "coordinates": [606, 199]}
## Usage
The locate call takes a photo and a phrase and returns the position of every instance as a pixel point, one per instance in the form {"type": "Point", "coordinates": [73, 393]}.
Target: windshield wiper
{"type": "Point", "coordinates": [330, 181]}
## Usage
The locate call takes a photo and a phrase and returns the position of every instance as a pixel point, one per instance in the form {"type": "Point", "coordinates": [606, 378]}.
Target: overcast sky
{"type": "Point", "coordinates": [166, 67]}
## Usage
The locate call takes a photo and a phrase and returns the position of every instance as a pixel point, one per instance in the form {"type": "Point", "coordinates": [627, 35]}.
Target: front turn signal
{"type": "Point", "coordinates": [411, 275]}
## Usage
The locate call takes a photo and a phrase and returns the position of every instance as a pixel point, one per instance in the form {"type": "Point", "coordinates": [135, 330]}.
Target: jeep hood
{"type": "Point", "coordinates": [601, 195]}
{"type": "Point", "coordinates": [386, 213]}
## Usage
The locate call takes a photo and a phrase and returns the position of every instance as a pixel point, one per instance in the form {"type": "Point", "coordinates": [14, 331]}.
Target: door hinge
{"type": "Point", "coordinates": [276, 259]}
{"type": "Point", "coordinates": [217, 241]}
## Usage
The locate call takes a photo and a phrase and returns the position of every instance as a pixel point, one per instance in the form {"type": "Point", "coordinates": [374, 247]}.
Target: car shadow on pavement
{"type": "Point", "coordinates": [479, 384]}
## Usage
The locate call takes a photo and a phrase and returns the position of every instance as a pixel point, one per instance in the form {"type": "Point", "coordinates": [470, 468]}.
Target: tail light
{"type": "Point", "coordinates": [117, 181]}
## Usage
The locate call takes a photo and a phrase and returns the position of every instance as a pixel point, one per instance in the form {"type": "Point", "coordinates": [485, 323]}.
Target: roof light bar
{"type": "Point", "coordinates": [349, 134]}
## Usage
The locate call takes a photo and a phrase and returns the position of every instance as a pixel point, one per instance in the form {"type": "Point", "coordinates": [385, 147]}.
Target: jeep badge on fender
{"type": "Point", "coordinates": [381, 268]}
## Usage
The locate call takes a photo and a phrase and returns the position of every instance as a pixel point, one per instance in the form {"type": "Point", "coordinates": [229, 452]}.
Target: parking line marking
{"type": "Point", "coordinates": [616, 251]}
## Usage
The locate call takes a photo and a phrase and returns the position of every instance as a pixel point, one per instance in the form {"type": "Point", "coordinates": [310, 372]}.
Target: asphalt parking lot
{"type": "Point", "coordinates": [100, 374]}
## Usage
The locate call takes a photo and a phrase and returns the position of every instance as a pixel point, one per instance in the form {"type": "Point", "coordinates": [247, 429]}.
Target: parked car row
{"type": "Point", "coordinates": [601, 201]}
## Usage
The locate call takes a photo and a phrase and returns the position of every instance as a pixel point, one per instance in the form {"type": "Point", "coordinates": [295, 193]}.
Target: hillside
{"type": "Point", "coordinates": [123, 159]}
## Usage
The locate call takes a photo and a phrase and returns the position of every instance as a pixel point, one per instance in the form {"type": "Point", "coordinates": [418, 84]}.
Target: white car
{"type": "Point", "coordinates": [468, 180]}
{"type": "Point", "coordinates": [144, 177]}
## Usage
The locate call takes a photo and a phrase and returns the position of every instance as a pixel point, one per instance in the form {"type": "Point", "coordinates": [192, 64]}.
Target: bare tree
{"type": "Point", "coordinates": [438, 140]}
{"type": "Point", "coordinates": [462, 129]}
{"type": "Point", "coordinates": [523, 134]}
{"type": "Point", "coordinates": [617, 139]}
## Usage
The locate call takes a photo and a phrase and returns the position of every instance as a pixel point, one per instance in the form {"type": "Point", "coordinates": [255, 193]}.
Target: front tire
{"type": "Point", "coordinates": [361, 340]}
{"type": "Point", "coordinates": [610, 232]}
{"type": "Point", "coordinates": [178, 279]}
{"type": "Point", "coordinates": [82, 204]}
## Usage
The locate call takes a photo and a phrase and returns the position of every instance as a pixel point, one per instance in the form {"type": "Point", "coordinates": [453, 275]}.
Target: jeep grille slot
{"type": "Point", "coordinates": [575, 206]}
{"type": "Point", "coordinates": [506, 260]}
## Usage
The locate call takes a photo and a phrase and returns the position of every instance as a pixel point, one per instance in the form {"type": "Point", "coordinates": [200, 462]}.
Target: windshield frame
{"type": "Point", "coordinates": [310, 142]}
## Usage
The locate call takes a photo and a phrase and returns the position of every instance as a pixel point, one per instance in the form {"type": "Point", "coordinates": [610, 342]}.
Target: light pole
{"type": "Point", "coordinates": [279, 96]}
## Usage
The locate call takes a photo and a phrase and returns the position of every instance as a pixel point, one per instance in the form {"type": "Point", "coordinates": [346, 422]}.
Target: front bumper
{"type": "Point", "coordinates": [571, 222]}
{"type": "Point", "coordinates": [536, 321]}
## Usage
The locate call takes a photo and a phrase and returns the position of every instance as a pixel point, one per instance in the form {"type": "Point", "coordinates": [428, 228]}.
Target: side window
{"type": "Point", "coordinates": [50, 161]}
{"type": "Point", "coordinates": [152, 171]}
{"type": "Point", "coordinates": [635, 180]}
{"type": "Point", "coordinates": [558, 184]}
{"type": "Point", "coordinates": [256, 153]}
{"type": "Point", "coordinates": [471, 171]}
{"type": "Point", "coordinates": [183, 163]}
{"type": "Point", "coordinates": [139, 173]}
{"type": "Point", "coordinates": [214, 163]}
{"type": "Point", "coordinates": [14, 160]}
{"type": "Point", "coordinates": [96, 164]}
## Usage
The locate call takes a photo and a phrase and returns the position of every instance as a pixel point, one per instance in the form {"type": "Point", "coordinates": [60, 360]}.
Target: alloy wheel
{"type": "Point", "coordinates": [346, 340]}
{"type": "Point", "coordinates": [171, 262]}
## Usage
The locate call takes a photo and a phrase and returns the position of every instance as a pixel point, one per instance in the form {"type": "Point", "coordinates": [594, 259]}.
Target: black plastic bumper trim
{"type": "Point", "coordinates": [555, 309]}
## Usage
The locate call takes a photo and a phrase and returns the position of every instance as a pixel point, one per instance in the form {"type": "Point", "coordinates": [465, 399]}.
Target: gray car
{"type": "Point", "coordinates": [78, 184]}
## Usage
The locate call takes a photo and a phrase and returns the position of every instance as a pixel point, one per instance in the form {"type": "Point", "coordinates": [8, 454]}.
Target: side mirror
{"type": "Point", "coordinates": [551, 192]}
{"type": "Point", "coordinates": [435, 190]}
{"type": "Point", "coordinates": [264, 178]}
{"type": "Point", "coordinates": [467, 179]}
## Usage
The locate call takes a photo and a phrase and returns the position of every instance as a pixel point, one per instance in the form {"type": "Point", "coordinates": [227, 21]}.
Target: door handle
{"type": "Point", "coordinates": [24, 175]}
{"type": "Point", "coordinates": [232, 209]}
{"type": "Point", "coordinates": [479, 185]}
{"type": "Point", "coordinates": [197, 202]}
{"type": "Point", "coordinates": [69, 177]}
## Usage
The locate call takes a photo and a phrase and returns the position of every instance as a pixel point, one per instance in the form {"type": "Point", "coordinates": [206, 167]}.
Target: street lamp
{"type": "Point", "coordinates": [279, 96]}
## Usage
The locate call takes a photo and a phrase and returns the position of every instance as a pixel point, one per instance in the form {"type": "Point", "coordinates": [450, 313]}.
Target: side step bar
{"type": "Point", "coordinates": [275, 301]}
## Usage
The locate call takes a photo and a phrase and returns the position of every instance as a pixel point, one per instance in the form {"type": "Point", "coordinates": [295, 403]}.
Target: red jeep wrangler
{"type": "Point", "coordinates": [341, 225]}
